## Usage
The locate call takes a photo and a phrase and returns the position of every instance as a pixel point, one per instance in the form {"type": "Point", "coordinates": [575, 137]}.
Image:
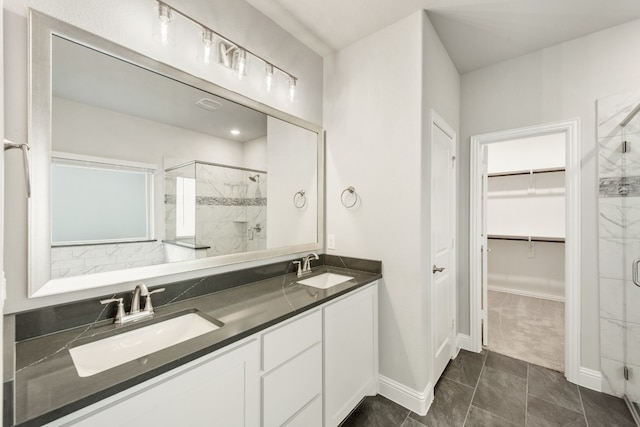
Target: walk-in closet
{"type": "Point", "coordinates": [526, 220]}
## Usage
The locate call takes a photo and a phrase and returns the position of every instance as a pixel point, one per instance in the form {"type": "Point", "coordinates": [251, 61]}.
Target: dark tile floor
{"type": "Point", "coordinates": [492, 390]}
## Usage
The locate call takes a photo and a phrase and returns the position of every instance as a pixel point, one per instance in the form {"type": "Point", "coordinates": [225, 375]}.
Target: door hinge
{"type": "Point", "coordinates": [626, 372]}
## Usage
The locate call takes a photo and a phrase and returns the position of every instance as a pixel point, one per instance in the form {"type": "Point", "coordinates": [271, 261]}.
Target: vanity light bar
{"type": "Point", "coordinates": [231, 55]}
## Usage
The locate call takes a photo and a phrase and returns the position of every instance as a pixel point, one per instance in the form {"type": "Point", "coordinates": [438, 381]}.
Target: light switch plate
{"type": "Point", "coordinates": [331, 241]}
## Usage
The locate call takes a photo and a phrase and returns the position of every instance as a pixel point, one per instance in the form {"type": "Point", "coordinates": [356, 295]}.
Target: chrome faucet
{"type": "Point", "coordinates": [140, 290]}
{"type": "Point", "coordinates": [134, 313]}
{"type": "Point", "coordinates": [304, 266]}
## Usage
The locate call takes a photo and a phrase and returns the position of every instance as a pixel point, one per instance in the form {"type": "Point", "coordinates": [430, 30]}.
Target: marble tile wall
{"type": "Point", "coordinates": [619, 243]}
{"type": "Point", "coordinates": [231, 214]}
{"type": "Point", "coordinates": [69, 261]}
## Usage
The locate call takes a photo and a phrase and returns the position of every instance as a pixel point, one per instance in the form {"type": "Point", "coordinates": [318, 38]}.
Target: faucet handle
{"type": "Point", "coordinates": [120, 312]}
{"type": "Point", "coordinates": [299, 269]}
{"type": "Point", "coordinates": [148, 307]}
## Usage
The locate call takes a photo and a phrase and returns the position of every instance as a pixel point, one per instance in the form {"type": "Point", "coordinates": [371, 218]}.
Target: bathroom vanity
{"type": "Point", "coordinates": [286, 354]}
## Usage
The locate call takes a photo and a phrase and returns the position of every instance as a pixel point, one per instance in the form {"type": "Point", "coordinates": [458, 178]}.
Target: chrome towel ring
{"type": "Point", "coordinates": [354, 195]}
{"type": "Point", "coordinates": [299, 199]}
{"type": "Point", "coordinates": [8, 145]}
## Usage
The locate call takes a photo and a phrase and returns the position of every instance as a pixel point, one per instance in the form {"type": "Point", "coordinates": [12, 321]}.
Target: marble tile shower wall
{"type": "Point", "coordinates": [619, 239]}
{"type": "Point", "coordinates": [80, 260]}
{"type": "Point", "coordinates": [231, 217]}
{"type": "Point", "coordinates": [231, 209]}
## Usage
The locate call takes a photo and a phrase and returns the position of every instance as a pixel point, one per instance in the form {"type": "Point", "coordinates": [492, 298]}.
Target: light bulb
{"type": "Point", "coordinates": [240, 63]}
{"type": "Point", "coordinates": [269, 78]}
{"type": "Point", "coordinates": [204, 53]}
{"type": "Point", "coordinates": [293, 89]}
{"type": "Point", "coordinates": [164, 26]}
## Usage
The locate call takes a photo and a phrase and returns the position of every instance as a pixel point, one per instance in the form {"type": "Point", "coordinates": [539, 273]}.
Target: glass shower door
{"type": "Point", "coordinates": [630, 189]}
{"type": "Point", "coordinates": [619, 249]}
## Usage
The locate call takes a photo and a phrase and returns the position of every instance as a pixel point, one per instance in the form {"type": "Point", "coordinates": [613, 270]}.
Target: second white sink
{"type": "Point", "coordinates": [325, 280]}
{"type": "Point", "coordinates": [107, 353]}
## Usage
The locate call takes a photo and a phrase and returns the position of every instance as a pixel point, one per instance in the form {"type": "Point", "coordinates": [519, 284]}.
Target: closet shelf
{"type": "Point", "coordinates": [526, 238]}
{"type": "Point", "coordinates": [526, 172]}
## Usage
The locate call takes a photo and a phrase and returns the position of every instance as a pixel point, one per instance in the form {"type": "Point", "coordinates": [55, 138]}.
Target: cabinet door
{"type": "Point", "coordinates": [351, 353]}
{"type": "Point", "coordinates": [222, 390]}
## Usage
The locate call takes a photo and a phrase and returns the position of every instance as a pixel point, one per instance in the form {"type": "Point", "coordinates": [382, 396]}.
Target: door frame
{"type": "Point", "coordinates": [571, 129]}
{"type": "Point", "coordinates": [435, 120]}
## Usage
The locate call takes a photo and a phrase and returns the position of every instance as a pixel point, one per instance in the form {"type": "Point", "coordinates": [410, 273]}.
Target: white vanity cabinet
{"type": "Point", "coordinates": [307, 371]}
{"type": "Point", "coordinates": [350, 353]}
{"type": "Point", "coordinates": [220, 389]}
{"type": "Point", "coordinates": [292, 372]}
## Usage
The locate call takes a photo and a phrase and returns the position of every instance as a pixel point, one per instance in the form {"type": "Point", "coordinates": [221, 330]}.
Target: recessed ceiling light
{"type": "Point", "coordinates": [235, 132]}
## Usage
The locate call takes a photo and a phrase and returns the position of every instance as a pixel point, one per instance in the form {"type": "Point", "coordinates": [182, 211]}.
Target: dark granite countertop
{"type": "Point", "coordinates": [48, 387]}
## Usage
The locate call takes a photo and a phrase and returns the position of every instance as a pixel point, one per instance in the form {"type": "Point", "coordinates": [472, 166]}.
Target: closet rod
{"type": "Point", "coordinates": [526, 238]}
{"type": "Point", "coordinates": [548, 170]}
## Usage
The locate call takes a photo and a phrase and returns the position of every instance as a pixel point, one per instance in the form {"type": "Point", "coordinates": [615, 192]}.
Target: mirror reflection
{"type": "Point", "coordinates": [148, 170]}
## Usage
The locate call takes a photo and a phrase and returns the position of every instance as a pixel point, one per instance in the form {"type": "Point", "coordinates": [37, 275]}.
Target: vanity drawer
{"type": "Point", "coordinates": [309, 416]}
{"type": "Point", "coordinates": [289, 388]}
{"type": "Point", "coordinates": [285, 342]}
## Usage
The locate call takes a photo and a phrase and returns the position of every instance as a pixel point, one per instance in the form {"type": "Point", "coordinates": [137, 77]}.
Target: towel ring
{"type": "Point", "coordinates": [8, 145]}
{"type": "Point", "coordinates": [299, 199]}
{"type": "Point", "coordinates": [352, 191]}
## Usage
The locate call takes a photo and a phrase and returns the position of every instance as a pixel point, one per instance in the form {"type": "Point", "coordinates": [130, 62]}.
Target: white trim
{"type": "Point", "coordinates": [590, 379]}
{"type": "Point", "coordinates": [463, 342]}
{"type": "Point", "coordinates": [61, 155]}
{"type": "Point", "coordinates": [416, 401]}
{"type": "Point", "coordinates": [513, 291]}
{"type": "Point", "coordinates": [571, 128]}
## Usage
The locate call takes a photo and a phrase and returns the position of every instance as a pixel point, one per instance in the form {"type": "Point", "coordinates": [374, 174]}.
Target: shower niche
{"type": "Point", "coordinates": [213, 209]}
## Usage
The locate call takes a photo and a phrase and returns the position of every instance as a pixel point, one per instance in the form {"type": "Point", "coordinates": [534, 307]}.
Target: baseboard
{"type": "Point", "coordinates": [526, 293]}
{"type": "Point", "coordinates": [590, 379]}
{"type": "Point", "coordinates": [464, 342]}
{"type": "Point", "coordinates": [418, 402]}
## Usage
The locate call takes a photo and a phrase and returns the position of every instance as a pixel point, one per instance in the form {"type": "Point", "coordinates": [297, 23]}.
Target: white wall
{"type": "Point", "coordinates": [128, 22]}
{"type": "Point", "coordinates": [121, 136]}
{"type": "Point", "coordinates": [538, 152]}
{"type": "Point", "coordinates": [378, 92]}
{"type": "Point", "coordinates": [293, 166]}
{"type": "Point", "coordinates": [524, 205]}
{"type": "Point", "coordinates": [558, 83]}
{"type": "Point", "coordinates": [255, 154]}
{"type": "Point", "coordinates": [537, 272]}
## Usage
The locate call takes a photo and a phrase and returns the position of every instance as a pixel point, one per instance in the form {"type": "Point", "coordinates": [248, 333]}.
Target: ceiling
{"type": "Point", "coordinates": [90, 77]}
{"type": "Point", "coordinates": [476, 33]}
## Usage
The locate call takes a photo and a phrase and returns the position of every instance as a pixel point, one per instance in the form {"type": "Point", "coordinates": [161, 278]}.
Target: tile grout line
{"type": "Point", "coordinates": [526, 395]}
{"type": "Point", "coordinates": [405, 419]}
{"type": "Point", "coordinates": [466, 417]}
{"type": "Point", "coordinates": [584, 413]}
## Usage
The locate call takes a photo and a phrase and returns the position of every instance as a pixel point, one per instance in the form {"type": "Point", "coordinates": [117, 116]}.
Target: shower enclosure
{"type": "Point", "coordinates": [619, 238]}
{"type": "Point", "coordinates": [215, 209]}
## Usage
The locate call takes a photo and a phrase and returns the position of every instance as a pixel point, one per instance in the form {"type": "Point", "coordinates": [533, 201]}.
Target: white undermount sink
{"type": "Point", "coordinates": [325, 280]}
{"type": "Point", "coordinates": [97, 356]}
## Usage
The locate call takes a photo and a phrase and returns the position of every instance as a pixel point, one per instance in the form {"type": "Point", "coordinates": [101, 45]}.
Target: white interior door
{"type": "Point", "coordinates": [443, 222]}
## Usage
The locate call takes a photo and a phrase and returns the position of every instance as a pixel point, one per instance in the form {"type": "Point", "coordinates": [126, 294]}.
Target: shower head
{"type": "Point", "coordinates": [254, 178]}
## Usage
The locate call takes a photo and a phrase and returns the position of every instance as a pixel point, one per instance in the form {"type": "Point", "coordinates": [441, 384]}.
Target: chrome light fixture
{"type": "Point", "coordinates": [229, 54]}
{"type": "Point", "coordinates": [240, 63]}
{"type": "Point", "coordinates": [225, 54]}
{"type": "Point", "coordinates": [206, 50]}
{"type": "Point", "coordinates": [164, 25]}
{"type": "Point", "coordinates": [269, 77]}
{"type": "Point", "coordinates": [293, 89]}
